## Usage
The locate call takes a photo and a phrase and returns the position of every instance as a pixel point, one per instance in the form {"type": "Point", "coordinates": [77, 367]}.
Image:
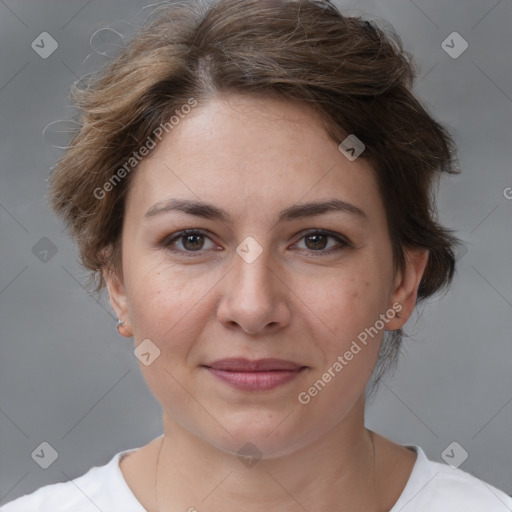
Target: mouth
{"type": "Point", "coordinates": [255, 375]}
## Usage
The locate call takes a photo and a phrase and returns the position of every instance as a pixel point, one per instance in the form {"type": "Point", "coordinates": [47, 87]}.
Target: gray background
{"type": "Point", "coordinates": [68, 379]}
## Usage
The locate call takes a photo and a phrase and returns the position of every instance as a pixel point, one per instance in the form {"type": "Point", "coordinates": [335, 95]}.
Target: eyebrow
{"type": "Point", "coordinates": [298, 211]}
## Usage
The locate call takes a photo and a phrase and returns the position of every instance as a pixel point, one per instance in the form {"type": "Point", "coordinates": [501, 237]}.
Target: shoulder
{"type": "Point", "coordinates": [466, 491]}
{"type": "Point", "coordinates": [437, 487]}
{"type": "Point", "coordinates": [78, 494]}
{"type": "Point", "coordinates": [95, 490]}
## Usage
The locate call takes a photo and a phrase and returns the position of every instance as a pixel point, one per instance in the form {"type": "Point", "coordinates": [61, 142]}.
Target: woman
{"type": "Point", "coordinates": [252, 184]}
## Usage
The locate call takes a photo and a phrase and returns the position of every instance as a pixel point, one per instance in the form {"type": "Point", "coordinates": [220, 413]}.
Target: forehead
{"type": "Point", "coordinates": [246, 153]}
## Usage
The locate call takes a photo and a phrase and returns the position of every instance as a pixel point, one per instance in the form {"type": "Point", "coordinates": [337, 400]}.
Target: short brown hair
{"type": "Point", "coordinates": [353, 73]}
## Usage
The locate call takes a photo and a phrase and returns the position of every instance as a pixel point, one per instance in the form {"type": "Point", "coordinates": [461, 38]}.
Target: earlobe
{"type": "Point", "coordinates": [119, 302]}
{"type": "Point", "coordinates": [406, 285]}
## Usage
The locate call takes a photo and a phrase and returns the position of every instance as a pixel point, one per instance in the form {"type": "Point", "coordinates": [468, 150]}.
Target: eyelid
{"type": "Point", "coordinates": [343, 241]}
{"type": "Point", "coordinates": [169, 240]}
{"type": "Point", "coordinates": [327, 232]}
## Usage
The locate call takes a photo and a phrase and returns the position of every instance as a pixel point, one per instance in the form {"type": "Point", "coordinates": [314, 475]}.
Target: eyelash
{"type": "Point", "coordinates": [343, 243]}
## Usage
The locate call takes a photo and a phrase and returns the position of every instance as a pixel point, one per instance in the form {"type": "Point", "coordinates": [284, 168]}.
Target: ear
{"type": "Point", "coordinates": [406, 286]}
{"type": "Point", "coordinates": [118, 301]}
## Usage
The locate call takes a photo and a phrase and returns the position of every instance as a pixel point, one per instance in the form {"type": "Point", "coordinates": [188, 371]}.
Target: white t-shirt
{"type": "Point", "coordinates": [432, 487]}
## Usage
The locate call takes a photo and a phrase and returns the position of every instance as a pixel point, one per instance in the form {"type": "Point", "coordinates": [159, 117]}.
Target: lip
{"type": "Point", "coordinates": [255, 375]}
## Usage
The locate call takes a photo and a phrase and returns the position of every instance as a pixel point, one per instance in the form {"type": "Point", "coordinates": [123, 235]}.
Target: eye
{"type": "Point", "coordinates": [188, 241]}
{"type": "Point", "coordinates": [317, 241]}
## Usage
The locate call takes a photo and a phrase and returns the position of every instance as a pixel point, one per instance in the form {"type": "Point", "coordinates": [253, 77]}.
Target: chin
{"type": "Point", "coordinates": [263, 435]}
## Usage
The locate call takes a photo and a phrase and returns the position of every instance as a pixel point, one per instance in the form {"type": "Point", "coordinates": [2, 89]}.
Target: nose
{"type": "Point", "coordinates": [254, 299]}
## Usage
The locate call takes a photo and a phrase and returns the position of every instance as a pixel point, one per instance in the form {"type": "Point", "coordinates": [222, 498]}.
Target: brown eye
{"type": "Point", "coordinates": [322, 243]}
{"type": "Point", "coordinates": [192, 242]}
{"type": "Point", "coordinates": [188, 242]}
{"type": "Point", "coordinates": [316, 241]}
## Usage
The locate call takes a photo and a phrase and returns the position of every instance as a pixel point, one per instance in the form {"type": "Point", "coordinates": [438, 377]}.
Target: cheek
{"type": "Point", "coordinates": [349, 347]}
{"type": "Point", "coordinates": [343, 303]}
{"type": "Point", "coordinates": [162, 301]}
{"type": "Point", "coordinates": [170, 308]}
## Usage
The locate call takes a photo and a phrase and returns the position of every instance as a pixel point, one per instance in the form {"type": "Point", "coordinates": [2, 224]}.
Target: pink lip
{"type": "Point", "coordinates": [256, 375]}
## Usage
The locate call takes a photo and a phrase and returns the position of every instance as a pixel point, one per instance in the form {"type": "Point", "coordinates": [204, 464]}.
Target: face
{"type": "Point", "coordinates": [285, 262]}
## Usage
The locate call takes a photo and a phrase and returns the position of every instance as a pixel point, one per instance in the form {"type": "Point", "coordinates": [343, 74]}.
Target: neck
{"type": "Point", "coordinates": [339, 469]}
